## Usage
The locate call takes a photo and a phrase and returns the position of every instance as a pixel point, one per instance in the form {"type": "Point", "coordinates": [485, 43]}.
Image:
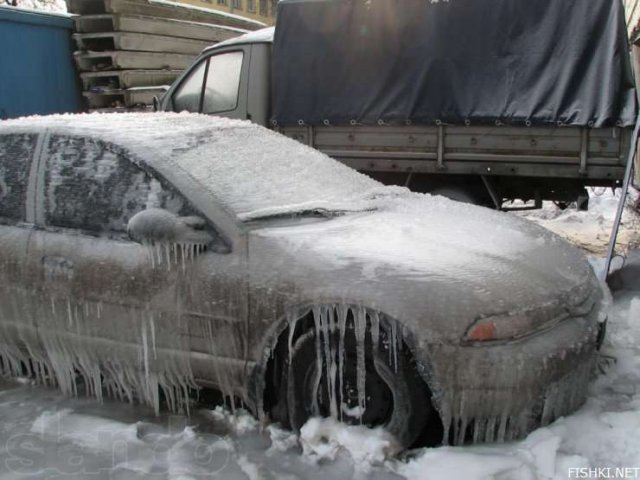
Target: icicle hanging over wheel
{"type": "Point", "coordinates": [352, 364]}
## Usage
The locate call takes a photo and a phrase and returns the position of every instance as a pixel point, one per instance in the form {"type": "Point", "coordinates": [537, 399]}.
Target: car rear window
{"type": "Point", "coordinates": [16, 153]}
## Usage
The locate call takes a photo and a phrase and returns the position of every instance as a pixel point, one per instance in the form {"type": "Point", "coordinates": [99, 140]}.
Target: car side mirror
{"type": "Point", "coordinates": [156, 103]}
{"type": "Point", "coordinates": [156, 226]}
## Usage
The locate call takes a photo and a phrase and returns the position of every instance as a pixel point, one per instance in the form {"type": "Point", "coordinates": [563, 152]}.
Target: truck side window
{"type": "Point", "coordinates": [223, 82]}
{"type": "Point", "coordinates": [188, 95]}
{"type": "Point", "coordinates": [16, 152]}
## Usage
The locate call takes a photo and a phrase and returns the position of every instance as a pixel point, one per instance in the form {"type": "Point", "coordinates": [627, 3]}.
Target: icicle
{"type": "Point", "coordinates": [145, 350]}
{"type": "Point", "coordinates": [374, 318]}
{"type": "Point", "coordinates": [342, 327]}
{"type": "Point", "coordinates": [394, 344]}
{"type": "Point", "coordinates": [360, 321]}
{"type": "Point", "coordinates": [319, 359]}
{"type": "Point", "coordinates": [292, 321]}
{"type": "Point", "coordinates": [152, 324]}
{"type": "Point", "coordinates": [167, 253]}
{"type": "Point", "coordinates": [69, 314]}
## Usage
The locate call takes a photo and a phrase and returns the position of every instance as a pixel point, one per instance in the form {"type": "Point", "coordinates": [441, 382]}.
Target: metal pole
{"type": "Point", "coordinates": [623, 198]}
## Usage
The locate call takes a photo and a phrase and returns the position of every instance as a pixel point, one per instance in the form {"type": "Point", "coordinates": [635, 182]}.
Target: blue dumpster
{"type": "Point", "coordinates": [36, 64]}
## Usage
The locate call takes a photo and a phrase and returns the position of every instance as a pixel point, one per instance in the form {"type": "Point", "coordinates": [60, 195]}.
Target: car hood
{"type": "Point", "coordinates": [434, 264]}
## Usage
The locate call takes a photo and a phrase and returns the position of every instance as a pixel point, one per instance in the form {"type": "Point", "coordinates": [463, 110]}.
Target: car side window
{"type": "Point", "coordinates": [223, 82]}
{"type": "Point", "coordinates": [187, 96]}
{"type": "Point", "coordinates": [94, 187]}
{"type": "Point", "coordinates": [16, 154]}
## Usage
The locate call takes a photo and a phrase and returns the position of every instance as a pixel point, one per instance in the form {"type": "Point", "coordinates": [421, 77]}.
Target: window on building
{"type": "Point", "coordinates": [222, 2]}
{"type": "Point", "coordinates": [251, 6]}
{"type": "Point", "coordinates": [274, 6]}
{"type": "Point", "coordinates": [237, 4]}
{"type": "Point", "coordinates": [264, 8]}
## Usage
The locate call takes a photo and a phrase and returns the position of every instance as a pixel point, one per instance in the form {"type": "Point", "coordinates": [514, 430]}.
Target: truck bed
{"type": "Point", "coordinates": [557, 156]}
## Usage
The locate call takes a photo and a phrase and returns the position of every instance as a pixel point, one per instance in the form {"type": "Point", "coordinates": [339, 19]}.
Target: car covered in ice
{"type": "Point", "coordinates": [148, 255]}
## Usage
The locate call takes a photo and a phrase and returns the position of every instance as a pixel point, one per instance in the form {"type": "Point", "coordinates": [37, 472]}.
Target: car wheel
{"type": "Point", "coordinates": [395, 396]}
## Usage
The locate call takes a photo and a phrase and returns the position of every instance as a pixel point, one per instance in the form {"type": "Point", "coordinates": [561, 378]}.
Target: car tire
{"type": "Point", "coordinates": [397, 398]}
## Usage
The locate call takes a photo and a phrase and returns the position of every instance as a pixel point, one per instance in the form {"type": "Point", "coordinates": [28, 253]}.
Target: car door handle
{"type": "Point", "coordinates": [59, 268]}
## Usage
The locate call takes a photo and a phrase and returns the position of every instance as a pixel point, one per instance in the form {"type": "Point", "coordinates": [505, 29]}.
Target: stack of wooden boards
{"type": "Point", "coordinates": [131, 50]}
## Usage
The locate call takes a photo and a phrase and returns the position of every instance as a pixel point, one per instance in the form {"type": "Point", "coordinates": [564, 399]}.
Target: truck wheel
{"type": "Point", "coordinates": [396, 397]}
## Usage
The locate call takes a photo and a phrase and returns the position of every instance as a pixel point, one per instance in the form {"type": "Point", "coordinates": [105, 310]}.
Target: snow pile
{"type": "Point", "coordinates": [323, 438]}
{"type": "Point", "coordinates": [533, 459]}
{"type": "Point", "coordinates": [239, 422]}
{"type": "Point", "coordinates": [591, 229]}
{"type": "Point", "coordinates": [58, 6]}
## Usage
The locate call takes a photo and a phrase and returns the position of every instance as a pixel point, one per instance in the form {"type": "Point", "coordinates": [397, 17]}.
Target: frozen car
{"type": "Point", "coordinates": [149, 255]}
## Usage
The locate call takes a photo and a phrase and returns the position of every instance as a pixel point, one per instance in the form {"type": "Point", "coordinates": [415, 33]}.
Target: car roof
{"type": "Point", "coordinates": [247, 168]}
{"type": "Point", "coordinates": [264, 35]}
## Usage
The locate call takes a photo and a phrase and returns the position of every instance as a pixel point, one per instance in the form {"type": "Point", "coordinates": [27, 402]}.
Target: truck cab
{"type": "Point", "coordinates": [230, 79]}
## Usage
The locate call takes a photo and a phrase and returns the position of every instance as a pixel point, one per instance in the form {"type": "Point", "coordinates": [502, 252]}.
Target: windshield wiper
{"type": "Point", "coordinates": [307, 213]}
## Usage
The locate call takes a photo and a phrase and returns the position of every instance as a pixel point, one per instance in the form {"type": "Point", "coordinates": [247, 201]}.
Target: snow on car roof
{"type": "Point", "coordinates": [251, 170]}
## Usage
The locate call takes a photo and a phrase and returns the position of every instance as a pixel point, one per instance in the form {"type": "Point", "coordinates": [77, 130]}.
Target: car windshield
{"type": "Point", "coordinates": [257, 174]}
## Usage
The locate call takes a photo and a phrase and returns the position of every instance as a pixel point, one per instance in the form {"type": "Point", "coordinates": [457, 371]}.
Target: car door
{"type": "Point", "coordinates": [17, 154]}
{"type": "Point", "coordinates": [139, 316]}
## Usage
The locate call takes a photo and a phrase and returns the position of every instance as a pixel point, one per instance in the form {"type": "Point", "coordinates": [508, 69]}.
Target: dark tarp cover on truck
{"type": "Point", "coordinates": [456, 61]}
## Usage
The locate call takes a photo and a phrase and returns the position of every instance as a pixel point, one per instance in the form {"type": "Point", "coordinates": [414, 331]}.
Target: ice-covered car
{"type": "Point", "coordinates": [148, 255]}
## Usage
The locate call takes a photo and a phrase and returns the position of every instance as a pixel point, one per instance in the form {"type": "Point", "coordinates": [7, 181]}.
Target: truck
{"type": "Point", "coordinates": [502, 103]}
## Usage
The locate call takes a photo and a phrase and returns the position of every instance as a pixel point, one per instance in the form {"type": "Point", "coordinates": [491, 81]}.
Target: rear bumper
{"type": "Point", "coordinates": [502, 392]}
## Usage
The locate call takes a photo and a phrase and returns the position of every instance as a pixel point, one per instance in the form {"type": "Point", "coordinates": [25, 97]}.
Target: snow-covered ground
{"type": "Point", "coordinates": [58, 6]}
{"type": "Point", "coordinates": [591, 230]}
{"type": "Point", "coordinates": [45, 435]}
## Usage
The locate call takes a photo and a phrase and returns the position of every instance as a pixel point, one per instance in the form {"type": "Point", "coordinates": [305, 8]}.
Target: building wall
{"type": "Point", "coordinates": [259, 10]}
